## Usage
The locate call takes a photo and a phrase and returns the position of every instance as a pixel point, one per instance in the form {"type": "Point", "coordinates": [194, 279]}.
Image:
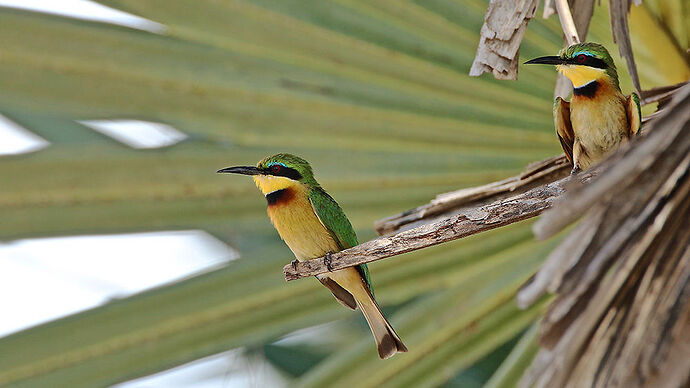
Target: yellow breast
{"type": "Point", "coordinates": [298, 225]}
{"type": "Point", "coordinates": [599, 123]}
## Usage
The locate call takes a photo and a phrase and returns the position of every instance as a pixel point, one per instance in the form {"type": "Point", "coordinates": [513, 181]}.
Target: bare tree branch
{"type": "Point", "coordinates": [478, 219]}
{"type": "Point", "coordinates": [455, 202]}
{"type": "Point", "coordinates": [567, 23]}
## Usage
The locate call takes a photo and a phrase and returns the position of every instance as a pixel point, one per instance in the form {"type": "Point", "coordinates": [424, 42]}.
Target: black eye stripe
{"type": "Point", "coordinates": [284, 171]}
{"type": "Point", "coordinates": [596, 62]}
{"type": "Point", "coordinates": [589, 61]}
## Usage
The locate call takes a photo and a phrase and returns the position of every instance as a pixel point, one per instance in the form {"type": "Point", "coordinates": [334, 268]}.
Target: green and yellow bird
{"type": "Point", "coordinates": [312, 224]}
{"type": "Point", "coordinates": [598, 117]}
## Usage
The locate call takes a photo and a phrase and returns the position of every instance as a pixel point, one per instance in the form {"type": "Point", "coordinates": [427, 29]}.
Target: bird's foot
{"type": "Point", "coordinates": [294, 264]}
{"type": "Point", "coordinates": [575, 170]}
{"type": "Point", "coordinates": [327, 261]}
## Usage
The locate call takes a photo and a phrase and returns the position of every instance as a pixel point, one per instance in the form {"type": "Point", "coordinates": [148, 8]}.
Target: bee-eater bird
{"type": "Point", "coordinates": [598, 117]}
{"type": "Point", "coordinates": [312, 224]}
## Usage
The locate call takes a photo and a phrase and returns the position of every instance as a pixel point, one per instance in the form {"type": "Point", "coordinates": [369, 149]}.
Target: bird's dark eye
{"type": "Point", "coordinates": [581, 58]}
{"type": "Point", "coordinates": [275, 168]}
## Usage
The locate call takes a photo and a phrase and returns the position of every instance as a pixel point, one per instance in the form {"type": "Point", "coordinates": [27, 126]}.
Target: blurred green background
{"type": "Point", "coordinates": [374, 94]}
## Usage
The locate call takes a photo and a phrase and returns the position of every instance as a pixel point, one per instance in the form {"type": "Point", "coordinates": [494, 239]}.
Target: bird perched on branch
{"type": "Point", "coordinates": [598, 117]}
{"type": "Point", "coordinates": [312, 224]}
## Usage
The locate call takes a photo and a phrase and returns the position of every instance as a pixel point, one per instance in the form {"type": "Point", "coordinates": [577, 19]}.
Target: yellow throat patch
{"type": "Point", "coordinates": [268, 183]}
{"type": "Point", "coordinates": [581, 75]}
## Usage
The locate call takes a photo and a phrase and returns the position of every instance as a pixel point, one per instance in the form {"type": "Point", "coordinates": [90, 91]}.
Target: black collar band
{"type": "Point", "coordinates": [588, 90]}
{"type": "Point", "coordinates": [275, 196]}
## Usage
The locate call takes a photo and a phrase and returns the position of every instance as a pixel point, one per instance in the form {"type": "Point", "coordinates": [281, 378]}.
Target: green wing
{"type": "Point", "coordinates": [334, 219]}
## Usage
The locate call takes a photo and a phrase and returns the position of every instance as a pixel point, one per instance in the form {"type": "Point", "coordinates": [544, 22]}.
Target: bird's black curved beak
{"type": "Point", "coordinates": [549, 60]}
{"type": "Point", "coordinates": [244, 170]}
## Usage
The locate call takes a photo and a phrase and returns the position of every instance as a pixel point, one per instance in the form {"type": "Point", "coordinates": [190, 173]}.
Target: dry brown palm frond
{"type": "Point", "coordinates": [504, 26]}
{"type": "Point", "coordinates": [622, 277]}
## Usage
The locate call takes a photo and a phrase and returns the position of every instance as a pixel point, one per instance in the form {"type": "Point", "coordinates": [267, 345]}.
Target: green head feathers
{"type": "Point", "coordinates": [594, 54]}
{"type": "Point", "coordinates": [591, 55]}
{"type": "Point", "coordinates": [592, 49]}
{"type": "Point", "coordinates": [289, 166]}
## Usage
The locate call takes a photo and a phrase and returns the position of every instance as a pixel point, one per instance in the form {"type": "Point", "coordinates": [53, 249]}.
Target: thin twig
{"type": "Point", "coordinates": [455, 202]}
{"type": "Point", "coordinates": [567, 23]}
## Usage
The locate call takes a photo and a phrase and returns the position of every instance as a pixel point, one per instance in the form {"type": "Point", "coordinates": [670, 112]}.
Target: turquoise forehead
{"type": "Point", "coordinates": [271, 162]}
{"type": "Point", "coordinates": [574, 51]}
{"type": "Point", "coordinates": [586, 52]}
{"type": "Point", "coordinates": [591, 49]}
{"type": "Point", "coordinates": [285, 160]}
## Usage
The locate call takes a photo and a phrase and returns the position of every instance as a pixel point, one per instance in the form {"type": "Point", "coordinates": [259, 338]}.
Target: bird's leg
{"type": "Point", "coordinates": [294, 264]}
{"type": "Point", "coordinates": [327, 261]}
{"type": "Point", "coordinates": [579, 154]}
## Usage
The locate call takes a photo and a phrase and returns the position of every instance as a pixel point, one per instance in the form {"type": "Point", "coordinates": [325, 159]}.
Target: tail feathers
{"type": "Point", "coordinates": [387, 340]}
{"type": "Point", "coordinates": [341, 295]}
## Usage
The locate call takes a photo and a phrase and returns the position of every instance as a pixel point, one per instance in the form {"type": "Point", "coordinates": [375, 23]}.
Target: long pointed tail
{"type": "Point", "coordinates": [387, 339]}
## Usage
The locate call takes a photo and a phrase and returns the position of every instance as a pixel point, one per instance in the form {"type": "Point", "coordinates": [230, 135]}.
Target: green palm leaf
{"type": "Point", "coordinates": [375, 95]}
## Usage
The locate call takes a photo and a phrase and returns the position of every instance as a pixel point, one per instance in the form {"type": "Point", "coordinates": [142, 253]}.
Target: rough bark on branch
{"type": "Point", "coordinates": [455, 202]}
{"type": "Point", "coordinates": [504, 26]}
